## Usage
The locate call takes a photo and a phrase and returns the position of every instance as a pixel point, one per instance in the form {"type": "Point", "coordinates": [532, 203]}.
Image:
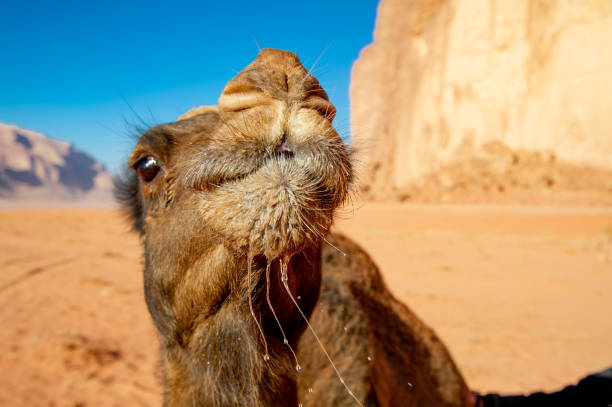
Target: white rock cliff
{"type": "Point", "coordinates": [443, 79]}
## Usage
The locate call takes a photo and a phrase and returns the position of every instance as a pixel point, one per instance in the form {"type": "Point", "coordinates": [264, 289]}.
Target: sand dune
{"type": "Point", "coordinates": [520, 295]}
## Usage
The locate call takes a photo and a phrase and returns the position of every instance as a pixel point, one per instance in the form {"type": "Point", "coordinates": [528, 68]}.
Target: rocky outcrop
{"type": "Point", "coordinates": [444, 79]}
{"type": "Point", "coordinates": [33, 166]}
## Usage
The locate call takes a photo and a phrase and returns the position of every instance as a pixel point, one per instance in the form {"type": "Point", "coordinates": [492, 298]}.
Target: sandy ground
{"type": "Point", "coordinates": [521, 296]}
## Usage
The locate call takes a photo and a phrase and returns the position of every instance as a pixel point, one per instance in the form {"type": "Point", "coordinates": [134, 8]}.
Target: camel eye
{"type": "Point", "coordinates": [147, 168]}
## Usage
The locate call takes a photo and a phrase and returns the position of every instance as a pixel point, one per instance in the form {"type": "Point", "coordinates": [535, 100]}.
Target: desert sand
{"type": "Point", "coordinates": [520, 295]}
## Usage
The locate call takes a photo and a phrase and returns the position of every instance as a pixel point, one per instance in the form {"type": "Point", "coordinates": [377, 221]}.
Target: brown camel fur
{"type": "Point", "coordinates": [234, 206]}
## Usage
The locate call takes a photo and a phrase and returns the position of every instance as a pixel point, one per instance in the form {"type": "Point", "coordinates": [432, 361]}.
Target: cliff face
{"type": "Point", "coordinates": [444, 80]}
{"type": "Point", "coordinates": [33, 166]}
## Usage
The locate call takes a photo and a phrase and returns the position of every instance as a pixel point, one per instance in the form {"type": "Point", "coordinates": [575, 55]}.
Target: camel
{"type": "Point", "coordinates": [234, 206]}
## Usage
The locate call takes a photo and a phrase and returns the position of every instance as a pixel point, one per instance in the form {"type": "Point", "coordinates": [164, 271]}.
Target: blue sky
{"type": "Point", "coordinates": [82, 70]}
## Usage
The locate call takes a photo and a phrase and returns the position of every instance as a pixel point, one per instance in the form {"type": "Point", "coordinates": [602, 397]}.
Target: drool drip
{"type": "Point", "coordinates": [250, 289]}
{"type": "Point", "coordinates": [285, 341]}
{"type": "Point", "coordinates": [285, 280]}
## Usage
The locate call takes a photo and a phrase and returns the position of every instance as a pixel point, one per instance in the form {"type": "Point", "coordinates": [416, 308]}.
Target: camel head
{"type": "Point", "coordinates": [262, 173]}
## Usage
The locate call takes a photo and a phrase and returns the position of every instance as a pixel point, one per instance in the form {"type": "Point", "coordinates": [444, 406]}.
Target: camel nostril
{"type": "Point", "coordinates": [285, 149]}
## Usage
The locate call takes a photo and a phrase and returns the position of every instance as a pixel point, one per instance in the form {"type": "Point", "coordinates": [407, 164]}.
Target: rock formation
{"type": "Point", "coordinates": [446, 82]}
{"type": "Point", "coordinates": [33, 166]}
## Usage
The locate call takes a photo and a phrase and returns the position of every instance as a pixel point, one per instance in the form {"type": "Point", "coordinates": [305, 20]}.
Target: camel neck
{"type": "Point", "coordinates": [224, 360]}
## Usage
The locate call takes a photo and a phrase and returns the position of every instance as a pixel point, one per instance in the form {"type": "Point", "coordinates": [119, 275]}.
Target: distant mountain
{"type": "Point", "coordinates": [39, 168]}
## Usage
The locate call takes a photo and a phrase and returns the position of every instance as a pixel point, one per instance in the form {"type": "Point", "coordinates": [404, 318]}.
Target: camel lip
{"type": "Point", "coordinates": [280, 153]}
{"type": "Point", "coordinates": [260, 259]}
